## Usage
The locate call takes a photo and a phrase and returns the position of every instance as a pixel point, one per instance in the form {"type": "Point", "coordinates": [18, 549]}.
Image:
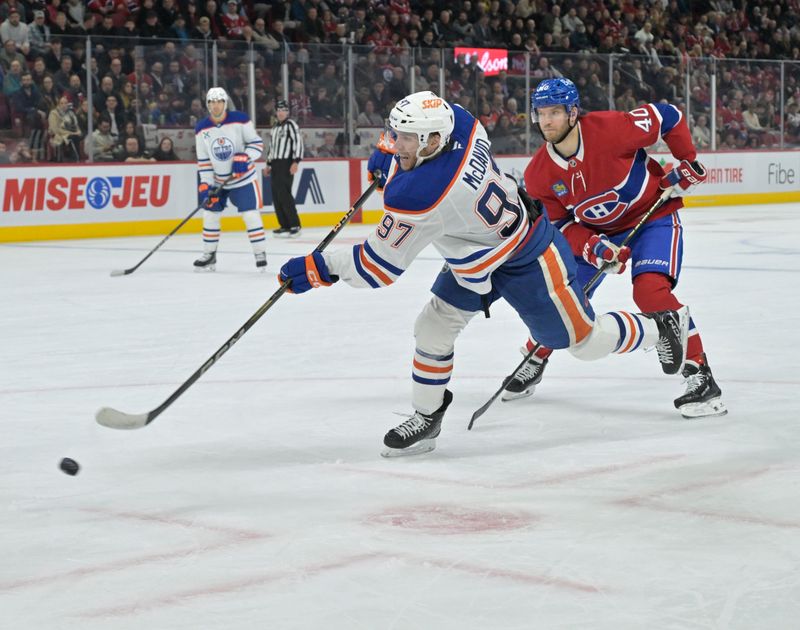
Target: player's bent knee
{"type": "Point", "coordinates": [438, 325]}
{"type": "Point", "coordinates": [600, 342]}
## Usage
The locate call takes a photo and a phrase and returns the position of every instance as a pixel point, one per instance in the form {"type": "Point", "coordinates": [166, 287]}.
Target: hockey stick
{"type": "Point", "coordinates": [586, 290]}
{"type": "Point", "coordinates": [114, 419]}
{"type": "Point", "coordinates": [125, 272]}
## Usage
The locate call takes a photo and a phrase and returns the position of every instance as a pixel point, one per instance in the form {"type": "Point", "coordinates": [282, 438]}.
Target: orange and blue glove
{"type": "Point", "coordinates": [241, 164]}
{"type": "Point", "coordinates": [208, 200]}
{"type": "Point", "coordinates": [684, 177]}
{"type": "Point", "coordinates": [306, 273]}
{"type": "Point", "coordinates": [381, 160]}
{"type": "Point", "coordinates": [599, 251]}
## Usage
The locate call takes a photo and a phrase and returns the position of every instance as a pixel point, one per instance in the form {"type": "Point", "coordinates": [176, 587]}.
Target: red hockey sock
{"type": "Point", "coordinates": [541, 352]}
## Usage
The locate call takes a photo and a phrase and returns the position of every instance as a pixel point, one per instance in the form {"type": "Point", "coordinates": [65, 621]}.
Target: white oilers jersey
{"type": "Point", "coordinates": [459, 201]}
{"type": "Point", "coordinates": [218, 143]}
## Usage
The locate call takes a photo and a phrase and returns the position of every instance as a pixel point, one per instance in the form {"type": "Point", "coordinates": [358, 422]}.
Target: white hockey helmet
{"type": "Point", "coordinates": [423, 113]}
{"type": "Point", "coordinates": [217, 94]}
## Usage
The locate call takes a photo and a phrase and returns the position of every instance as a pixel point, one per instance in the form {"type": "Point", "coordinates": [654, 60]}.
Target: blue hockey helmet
{"type": "Point", "coordinates": [557, 91]}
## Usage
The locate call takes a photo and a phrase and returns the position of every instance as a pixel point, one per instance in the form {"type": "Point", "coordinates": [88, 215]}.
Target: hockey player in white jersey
{"type": "Point", "coordinates": [443, 187]}
{"type": "Point", "coordinates": [227, 149]}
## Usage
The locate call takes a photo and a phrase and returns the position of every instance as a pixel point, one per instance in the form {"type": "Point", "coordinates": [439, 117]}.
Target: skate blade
{"type": "Point", "coordinates": [509, 396]}
{"type": "Point", "coordinates": [423, 446]}
{"type": "Point", "coordinates": [207, 269]}
{"type": "Point", "coordinates": [294, 235]}
{"type": "Point", "coordinates": [708, 409]}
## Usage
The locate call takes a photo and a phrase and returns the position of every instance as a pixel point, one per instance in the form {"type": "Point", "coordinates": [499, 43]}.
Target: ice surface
{"type": "Point", "coordinates": [259, 499]}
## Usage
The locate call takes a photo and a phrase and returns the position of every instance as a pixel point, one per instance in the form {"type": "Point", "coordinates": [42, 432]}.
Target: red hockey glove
{"type": "Point", "coordinates": [603, 254]}
{"type": "Point", "coordinates": [684, 177]}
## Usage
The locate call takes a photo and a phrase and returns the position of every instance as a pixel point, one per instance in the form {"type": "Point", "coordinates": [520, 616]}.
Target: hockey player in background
{"type": "Point", "coordinates": [227, 149]}
{"type": "Point", "coordinates": [596, 181]}
{"type": "Point", "coordinates": [443, 187]}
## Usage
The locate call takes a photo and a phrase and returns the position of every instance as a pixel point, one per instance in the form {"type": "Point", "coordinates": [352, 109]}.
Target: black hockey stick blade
{"type": "Point", "coordinates": [114, 419]}
{"type": "Point", "coordinates": [125, 272]}
{"type": "Point", "coordinates": [479, 412]}
{"type": "Point", "coordinates": [665, 195]}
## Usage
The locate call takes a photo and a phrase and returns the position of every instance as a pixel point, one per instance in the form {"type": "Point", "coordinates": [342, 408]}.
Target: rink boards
{"type": "Point", "coordinates": [39, 202]}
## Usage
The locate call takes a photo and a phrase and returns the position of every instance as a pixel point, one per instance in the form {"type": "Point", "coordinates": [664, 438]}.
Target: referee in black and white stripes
{"type": "Point", "coordinates": [285, 153]}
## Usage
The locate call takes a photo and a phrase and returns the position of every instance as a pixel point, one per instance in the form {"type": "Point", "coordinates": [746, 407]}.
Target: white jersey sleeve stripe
{"type": "Point", "coordinates": [382, 278]}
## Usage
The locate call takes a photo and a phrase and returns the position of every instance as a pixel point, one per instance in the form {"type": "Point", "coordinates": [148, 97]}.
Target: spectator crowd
{"type": "Point", "coordinates": [149, 63]}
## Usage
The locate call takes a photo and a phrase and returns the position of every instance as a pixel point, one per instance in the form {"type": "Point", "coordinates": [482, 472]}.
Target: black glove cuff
{"type": "Point", "coordinates": [532, 206]}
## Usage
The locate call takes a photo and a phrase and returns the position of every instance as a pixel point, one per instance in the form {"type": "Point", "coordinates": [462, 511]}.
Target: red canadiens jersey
{"type": "Point", "coordinates": [611, 181]}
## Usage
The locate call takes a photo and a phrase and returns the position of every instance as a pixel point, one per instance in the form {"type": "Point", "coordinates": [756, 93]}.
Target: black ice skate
{"type": "Point", "coordinates": [294, 232]}
{"type": "Point", "coordinates": [703, 397]}
{"type": "Point", "coordinates": [417, 434]}
{"type": "Point", "coordinates": [206, 262]}
{"type": "Point", "coordinates": [673, 335]}
{"type": "Point", "coordinates": [281, 232]}
{"type": "Point", "coordinates": [526, 380]}
{"type": "Point", "coordinates": [261, 261]}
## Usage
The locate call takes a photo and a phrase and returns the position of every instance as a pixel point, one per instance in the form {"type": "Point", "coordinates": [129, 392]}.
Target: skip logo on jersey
{"type": "Point", "coordinates": [222, 149]}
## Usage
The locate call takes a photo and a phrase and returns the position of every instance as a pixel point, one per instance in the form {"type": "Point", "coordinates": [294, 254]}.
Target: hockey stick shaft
{"type": "Point", "coordinates": [118, 420]}
{"type": "Point", "coordinates": [125, 272]}
{"type": "Point", "coordinates": [645, 218]}
{"type": "Point", "coordinates": [586, 290]}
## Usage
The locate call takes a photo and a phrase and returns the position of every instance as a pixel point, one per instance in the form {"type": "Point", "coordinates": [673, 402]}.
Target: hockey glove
{"type": "Point", "coordinates": [533, 207]}
{"type": "Point", "coordinates": [241, 164]}
{"type": "Point", "coordinates": [206, 199]}
{"type": "Point", "coordinates": [306, 272]}
{"type": "Point", "coordinates": [381, 160]}
{"type": "Point", "coordinates": [684, 177]}
{"type": "Point", "coordinates": [603, 254]}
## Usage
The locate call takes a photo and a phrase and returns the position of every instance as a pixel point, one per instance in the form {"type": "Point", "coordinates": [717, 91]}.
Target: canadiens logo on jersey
{"type": "Point", "coordinates": [222, 148]}
{"type": "Point", "coordinates": [601, 209]}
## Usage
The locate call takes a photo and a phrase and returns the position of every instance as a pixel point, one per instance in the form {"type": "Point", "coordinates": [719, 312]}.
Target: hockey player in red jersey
{"type": "Point", "coordinates": [596, 181]}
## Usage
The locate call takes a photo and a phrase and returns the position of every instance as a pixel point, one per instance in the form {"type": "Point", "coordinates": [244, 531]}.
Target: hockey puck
{"type": "Point", "coordinates": [69, 466]}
